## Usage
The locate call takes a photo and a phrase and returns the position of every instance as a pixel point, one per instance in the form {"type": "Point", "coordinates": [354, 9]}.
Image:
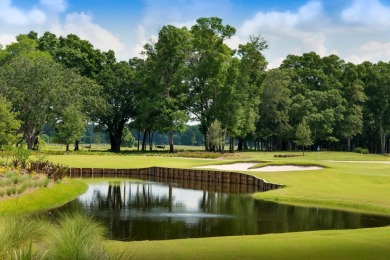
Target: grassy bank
{"type": "Point", "coordinates": [43, 198]}
{"type": "Point", "coordinates": [343, 244]}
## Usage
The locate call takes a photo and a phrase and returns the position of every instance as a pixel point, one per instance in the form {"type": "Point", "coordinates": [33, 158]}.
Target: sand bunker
{"type": "Point", "coordinates": [246, 166]}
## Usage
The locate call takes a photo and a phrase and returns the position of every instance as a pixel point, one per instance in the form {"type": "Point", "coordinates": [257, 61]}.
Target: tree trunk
{"type": "Point", "coordinates": [383, 141]}
{"type": "Point", "coordinates": [30, 140]}
{"type": "Point", "coordinates": [206, 143]}
{"type": "Point", "coordinates": [231, 145]}
{"type": "Point", "coordinates": [349, 144]}
{"type": "Point", "coordinates": [67, 148]}
{"type": "Point", "coordinates": [151, 135]}
{"type": "Point", "coordinates": [139, 134]}
{"type": "Point", "coordinates": [115, 133]}
{"type": "Point", "coordinates": [240, 146]}
{"type": "Point", "coordinates": [77, 145]}
{"type": "Point", "coordinates": [171, 145]}
{"type": "Point", "coordinates": [144, 140]}
{"type": "Point", "coordinates": [115, 140]}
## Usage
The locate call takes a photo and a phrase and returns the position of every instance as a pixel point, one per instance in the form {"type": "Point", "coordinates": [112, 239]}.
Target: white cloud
{"type": "Point", "coordinates": [83, 26]}
{"type": "Point", "coordinates": [11, 15]}
{"type": "Point", "coordinates": [283, 22]}
{"type": "Point", "coordinates": [367, 12]}
{"type": "Point", "coordinates": [6, 39]}
{"type": "Point", "coordinates": [55, 5]}
{"type": "Point", "coordinates": [289, 32]}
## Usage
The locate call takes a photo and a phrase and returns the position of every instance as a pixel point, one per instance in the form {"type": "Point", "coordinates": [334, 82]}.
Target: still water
{"type": "Point", "coordinates": [154, 211]}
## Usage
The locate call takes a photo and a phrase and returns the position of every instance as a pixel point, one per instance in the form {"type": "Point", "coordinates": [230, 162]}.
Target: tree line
{"type": "Point", "coordinates": [191, 74]}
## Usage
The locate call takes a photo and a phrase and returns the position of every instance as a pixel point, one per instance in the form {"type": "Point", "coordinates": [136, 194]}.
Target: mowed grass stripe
{"type": "Point", "coordinates": [343, 244]}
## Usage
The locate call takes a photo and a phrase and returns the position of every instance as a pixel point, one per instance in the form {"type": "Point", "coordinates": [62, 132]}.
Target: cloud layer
{"type": "Point", "coordinates": [356, 30]}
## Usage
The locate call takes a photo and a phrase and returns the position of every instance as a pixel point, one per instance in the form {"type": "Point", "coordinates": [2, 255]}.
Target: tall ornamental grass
{"type": "Point", "coordinates": [77, 237]}
{"type": "Point", "coordinates": [17, 233]}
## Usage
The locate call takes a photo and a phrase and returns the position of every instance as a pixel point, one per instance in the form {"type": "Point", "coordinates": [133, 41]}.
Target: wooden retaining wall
{"type": "Point", "coordinates": [161, 174]}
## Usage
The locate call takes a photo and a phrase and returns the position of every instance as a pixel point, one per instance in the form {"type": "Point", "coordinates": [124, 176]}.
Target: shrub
{"type": "Point", "coordinates": [361, 150]}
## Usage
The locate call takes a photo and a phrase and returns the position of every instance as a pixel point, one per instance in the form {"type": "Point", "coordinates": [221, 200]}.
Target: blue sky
{"type": "Point", "coordinates": [355, 30]}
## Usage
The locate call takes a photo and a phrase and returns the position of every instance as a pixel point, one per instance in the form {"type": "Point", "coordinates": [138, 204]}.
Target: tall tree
{"type": "Point", "coordinates": [208, 65]}
{"type": "Point", "coordinates": [316, 94]}
{"type": "Point", "coordinates": [34, 86]}
{"type": "Point", "coordinates": [377, 107]}
{"type": "Point", "coordinates": [353, 93]}
{"type": "Point", "coordinates": [170, 56]}
{"type": "Point", "coordinates": [275, 105]}
{"type": "Point", "coordinates": [252, 73]}
{"type": "Point", "coordinates": [118, 92]}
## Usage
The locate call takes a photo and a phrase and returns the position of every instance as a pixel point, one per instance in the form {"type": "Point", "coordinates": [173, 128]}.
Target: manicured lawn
{"type": "Point", "coordinates": [131, 161]}
{"type": "Point", "coordinates": [342, 244]}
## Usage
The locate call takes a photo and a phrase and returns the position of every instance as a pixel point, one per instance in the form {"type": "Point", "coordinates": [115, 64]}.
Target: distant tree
{"type": "Point", "coordinates": [215, 136]}
{"type": "Point", "coordinates": [71, 127]}
{"type": "Point", "coordinates": [303, 135]}
{"type": "Point", "coordinates": [128, 139]}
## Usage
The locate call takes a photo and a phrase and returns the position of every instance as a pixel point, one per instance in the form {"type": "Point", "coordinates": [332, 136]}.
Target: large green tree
{"type": "Point", "coordinates": [377, 107]}
{"type": "Point", "coordinates": [275, 102]}
{"type": "Point", "coordinates": [251, 75]}
{"type": "Point", "coordinates": [317, 94]}
{"type": "Point", "coordinates": [168, 59]}
{"type": "Point", "coordinates": [35, 88]}
{"type": "Point", "coordinates": [208, 64]}
{"type": "Point", "coordinates": [118, 92]}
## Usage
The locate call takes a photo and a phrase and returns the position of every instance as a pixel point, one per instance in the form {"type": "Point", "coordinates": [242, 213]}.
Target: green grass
{"type": "Point", "coordinates": [342, 244]}
{"type": "Point", "coordinates": [44, 198]}
{"type": "Point", "coordinates": [116, 161]}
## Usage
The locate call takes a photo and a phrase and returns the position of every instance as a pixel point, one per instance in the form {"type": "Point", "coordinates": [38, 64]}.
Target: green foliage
{"type": "Point", "coordinates": [9, 125]}
{"type": "Point", "coordinates": [71, 127]}
{"type": "Point", "coordinates": [215, 135]}
{"type": "Point", "coordinates": [128, 139]}
{"type": "Point", "coordinates": [361, 150]}
{"type": "Point", "coordinates": [303, 135]}
{"type": "Point", "coordinates": [20, 156]}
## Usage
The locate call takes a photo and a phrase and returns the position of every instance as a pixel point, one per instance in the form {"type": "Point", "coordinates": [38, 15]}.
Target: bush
{"type": "Point", "coordinates": [361, 150]}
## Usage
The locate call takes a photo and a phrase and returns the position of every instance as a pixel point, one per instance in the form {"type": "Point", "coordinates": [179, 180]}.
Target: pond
{"type": "Point", "coordinates": [138, 210]}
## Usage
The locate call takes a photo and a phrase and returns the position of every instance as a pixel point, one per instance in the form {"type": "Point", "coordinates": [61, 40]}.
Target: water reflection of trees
{"type": "Point", "coordinates": [153, 211]}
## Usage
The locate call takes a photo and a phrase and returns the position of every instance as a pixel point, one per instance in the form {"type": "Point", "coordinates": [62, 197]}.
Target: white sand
{"type": "Point", "coordinates": [246, 166]}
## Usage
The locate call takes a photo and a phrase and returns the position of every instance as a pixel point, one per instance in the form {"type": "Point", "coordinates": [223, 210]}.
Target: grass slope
{"type": "Point", "coordinates": [44, 198]}
{"type": "Point", "coordinates": [350, 244]}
